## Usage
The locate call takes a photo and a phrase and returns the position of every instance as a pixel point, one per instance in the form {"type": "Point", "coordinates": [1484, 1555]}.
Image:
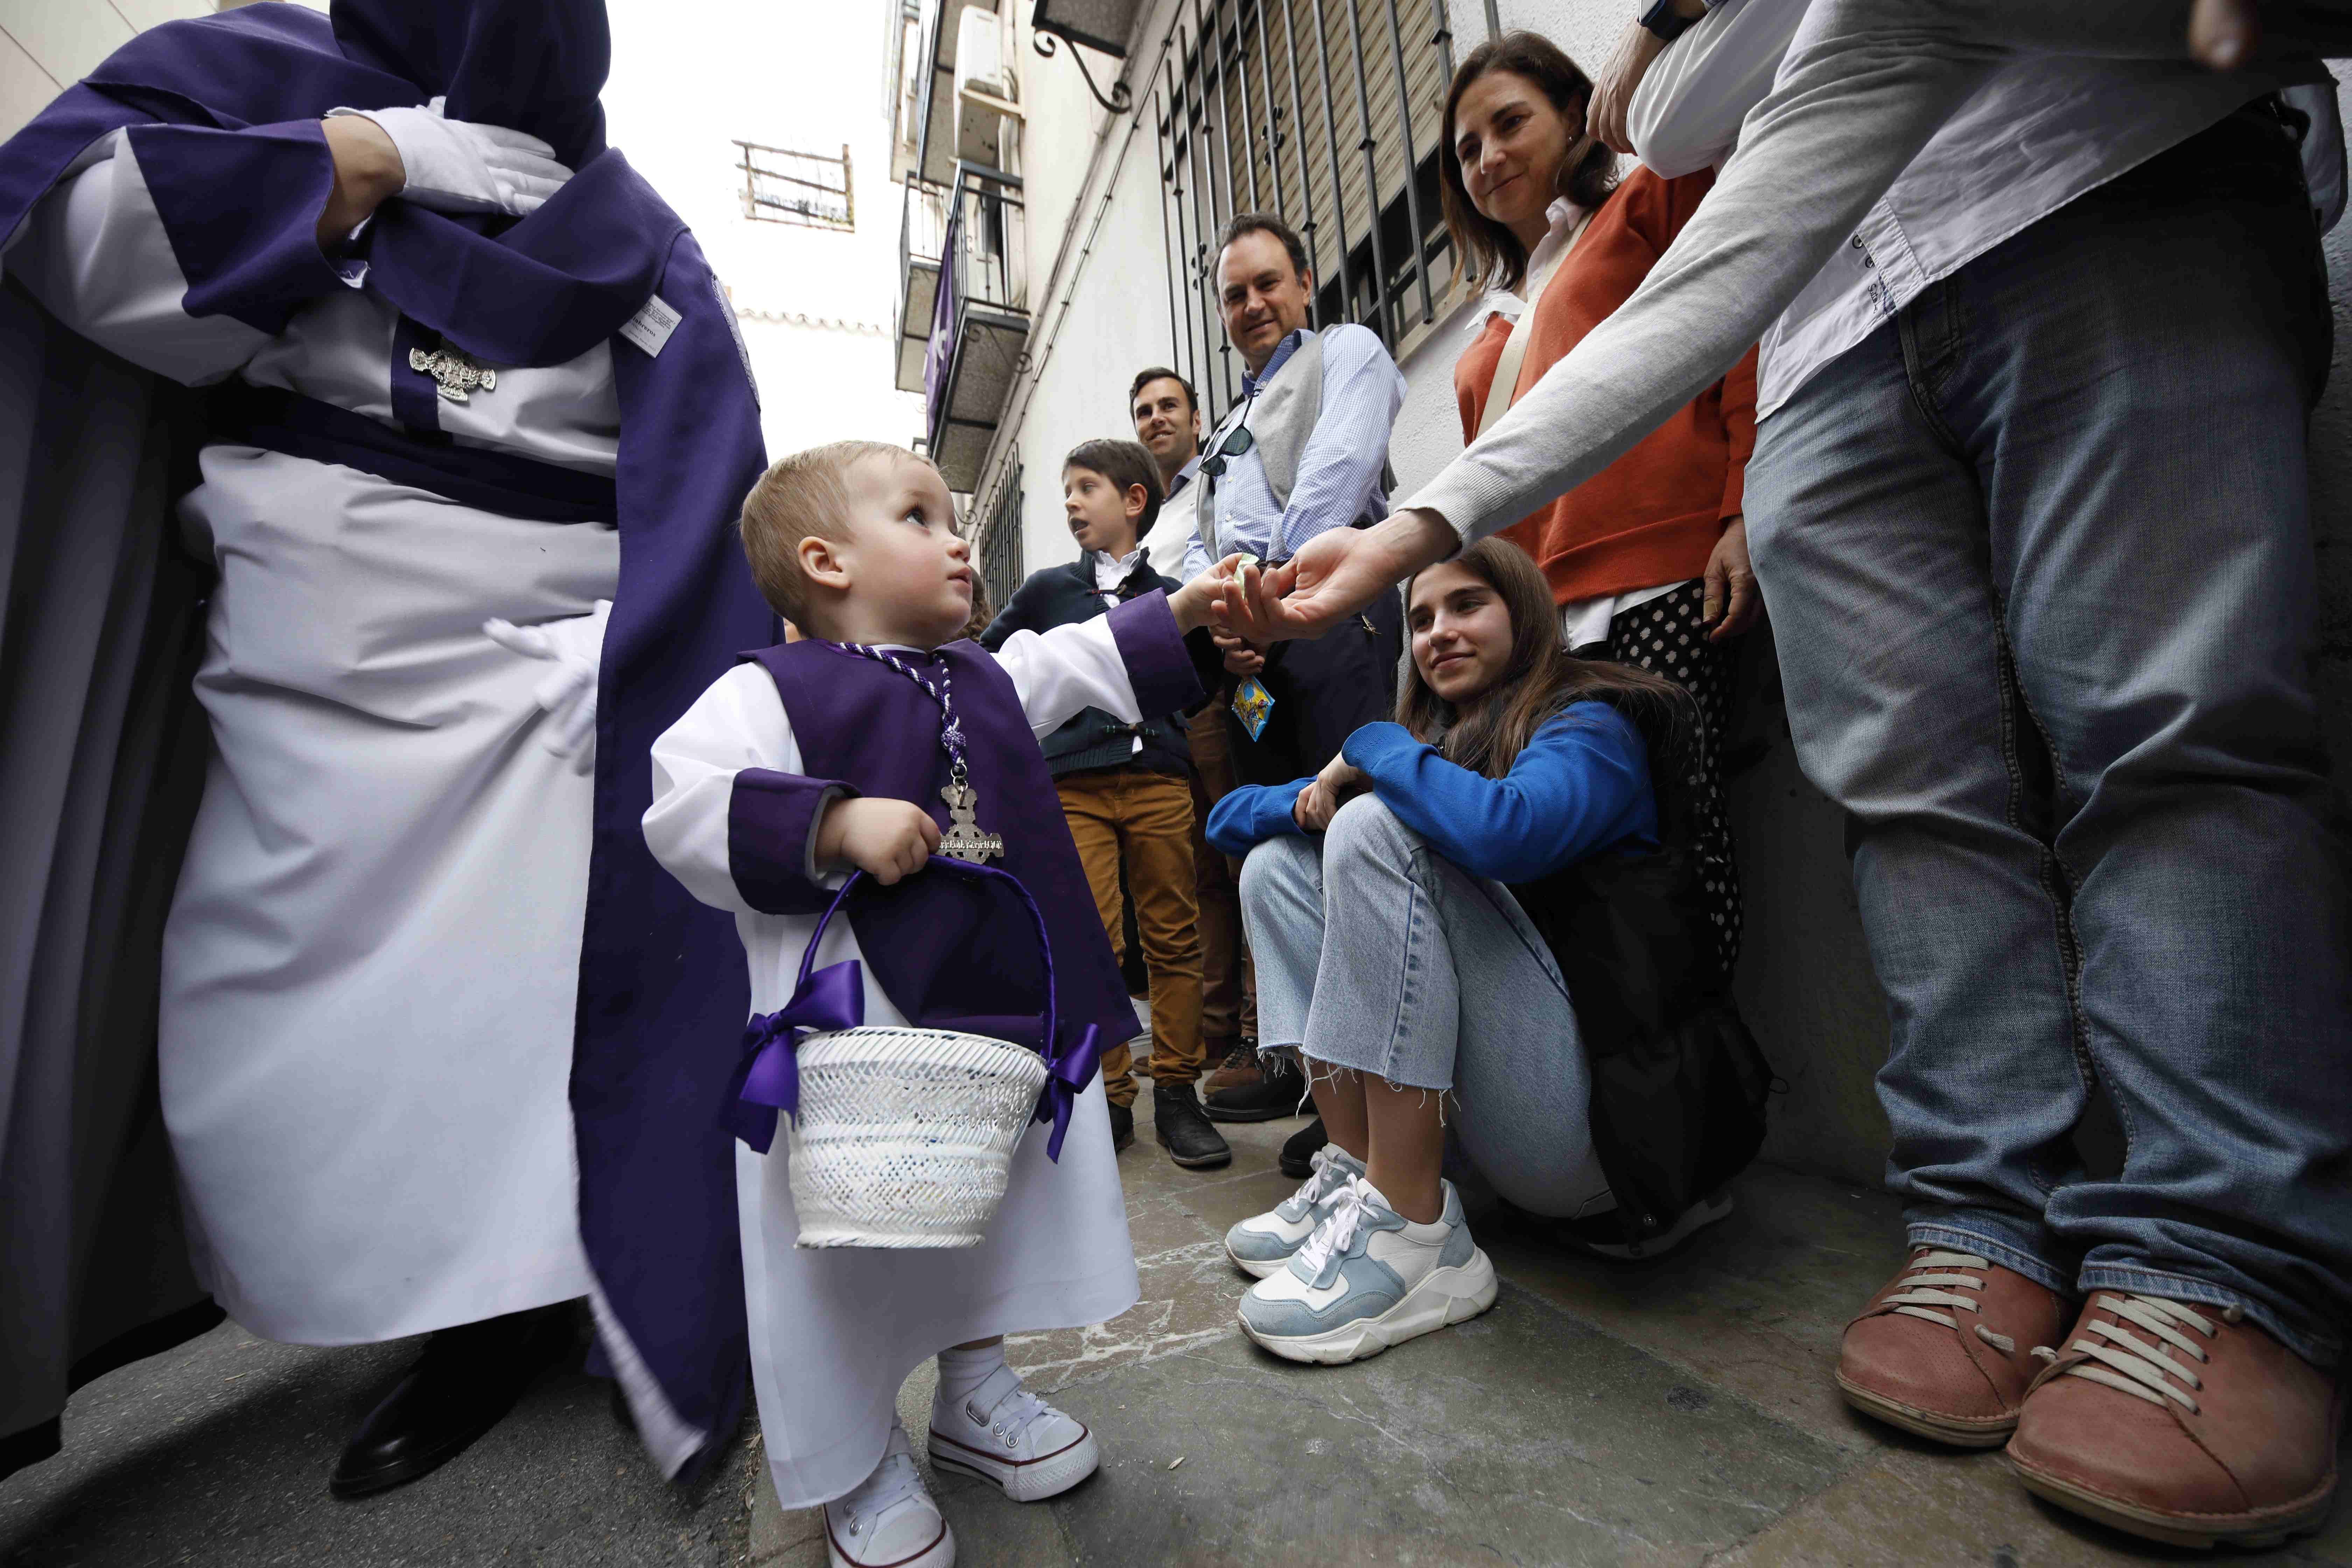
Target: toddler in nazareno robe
{"type": "Point", "coordinates": [809, 759]}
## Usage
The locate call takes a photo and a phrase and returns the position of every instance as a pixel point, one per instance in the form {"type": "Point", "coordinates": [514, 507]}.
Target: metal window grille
{"type": "Point", "coordinates": [805, 188]}
{"type": "Point", "coordinates": [999, 547]}
{"type": "Point", "coordinates": [1326, 112]}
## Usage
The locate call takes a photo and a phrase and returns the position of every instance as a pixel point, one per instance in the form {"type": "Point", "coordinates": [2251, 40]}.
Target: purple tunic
{"type": "Point", "coordinates": [952, 953]}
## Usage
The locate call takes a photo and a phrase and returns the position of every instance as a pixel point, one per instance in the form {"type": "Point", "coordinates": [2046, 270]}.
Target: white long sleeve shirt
{"type": "Point", "coordinates": [2039, 133]}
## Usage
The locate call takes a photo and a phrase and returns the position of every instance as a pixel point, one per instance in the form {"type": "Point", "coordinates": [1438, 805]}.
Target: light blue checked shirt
{"type": "Point", "coordinates": [1338, 469]}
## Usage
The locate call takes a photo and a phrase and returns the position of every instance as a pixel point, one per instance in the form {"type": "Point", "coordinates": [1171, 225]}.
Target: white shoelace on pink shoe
{"type": "Point", "coordinates": [2133, 1365]}
{"type": "Point", "coordinates": [1921, 1296]}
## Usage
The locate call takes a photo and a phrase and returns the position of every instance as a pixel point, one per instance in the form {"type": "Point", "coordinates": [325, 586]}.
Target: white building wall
{"type": "Point", "coordinates": [1102, 314]}
{"type": "Point", "coordinates": [815, 305]}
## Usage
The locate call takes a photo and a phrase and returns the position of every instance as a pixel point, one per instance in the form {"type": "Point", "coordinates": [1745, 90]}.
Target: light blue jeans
{"type": "Point", "coordinates": [1375, 953]}
{"type": "Point", "coordinates": [2038, 561]}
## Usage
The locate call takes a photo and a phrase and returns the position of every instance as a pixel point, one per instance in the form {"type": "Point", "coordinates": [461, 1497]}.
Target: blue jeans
{"type": "Point", "coordinates": [1376, 953]}
{"type": "Point", "coordinates": [2038, 558]}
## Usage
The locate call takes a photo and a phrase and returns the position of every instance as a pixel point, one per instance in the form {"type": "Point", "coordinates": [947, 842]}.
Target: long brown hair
{"type": "Point", "coordinates": [1491, 254]}
{"type": "Point", "coordinates": [1539, 679]}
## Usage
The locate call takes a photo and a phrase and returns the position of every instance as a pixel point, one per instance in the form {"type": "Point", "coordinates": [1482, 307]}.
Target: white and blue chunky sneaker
{"type": "Point", "coordinates": [1264, 1242]}
{"type": "Point", "coordinates": [1369, 1279]}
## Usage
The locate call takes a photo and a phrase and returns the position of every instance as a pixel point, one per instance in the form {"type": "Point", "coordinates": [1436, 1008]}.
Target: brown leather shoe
{"type": "Point", "coordinates": [1238, 1067]}
{"type": "Point", "coordinates": [2182, 1423]}
{"type": "Point", "coordinates": [1945, 1349]}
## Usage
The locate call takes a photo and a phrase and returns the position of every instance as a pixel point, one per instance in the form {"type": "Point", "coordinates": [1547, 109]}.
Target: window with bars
{"type": "Point", "coordinates": [806, 188]}
{"type": "Point", "coordinates": [1000, 545]}
{"type": "Point", "coordinates": [1326, 112]}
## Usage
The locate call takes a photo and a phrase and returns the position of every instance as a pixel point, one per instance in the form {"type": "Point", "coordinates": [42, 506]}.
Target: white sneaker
{"type": "Point", "coordinates": [1369, 1279]}
{"type": "Point", "coordinates": [1003, 1433]}
{"type": "Point", "coordinates": [1264, 1242]}
{"type": "Point", "coordinates": [889, 1522]}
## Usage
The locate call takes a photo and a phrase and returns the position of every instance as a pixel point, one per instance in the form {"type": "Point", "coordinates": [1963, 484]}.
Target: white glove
{"type": "Point", "coordinates": [457, 166]}
{"type": "Point", "coordinates": [575, 645]}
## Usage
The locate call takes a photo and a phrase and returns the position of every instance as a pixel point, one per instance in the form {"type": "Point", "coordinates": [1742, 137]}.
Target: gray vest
{"type": "Point", "coordinates": [1280, 418]}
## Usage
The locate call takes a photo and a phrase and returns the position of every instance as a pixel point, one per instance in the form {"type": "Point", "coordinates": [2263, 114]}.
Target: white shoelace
{"type": "Point", "coordinates": [2142, 1370]}
{"type": "Point", "coordinates": [1921, 1297]}
{"type": "Point", "coordinates": [1014, 1414]}
{"type": "Point", "coordinates": [1329, 1172]}
{"type": "Point", "coordinates": [1337, 1231]}
{"type": "Point", "coordinates": [892, 1482]}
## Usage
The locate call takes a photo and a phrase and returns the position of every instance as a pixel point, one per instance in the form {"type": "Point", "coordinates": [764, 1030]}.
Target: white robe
{"type": "Point", "coordinates": [370, 967]}
{"type": "Point", "coordinates": [835, 1331]}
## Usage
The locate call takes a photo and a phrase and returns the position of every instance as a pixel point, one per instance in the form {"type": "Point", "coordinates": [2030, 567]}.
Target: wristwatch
{"type": "Point", "coordinates": [1663, 21]}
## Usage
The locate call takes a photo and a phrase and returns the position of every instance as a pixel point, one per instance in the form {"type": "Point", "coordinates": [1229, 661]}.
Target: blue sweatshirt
{"type": "Point", "coordinates": [1581, 784]}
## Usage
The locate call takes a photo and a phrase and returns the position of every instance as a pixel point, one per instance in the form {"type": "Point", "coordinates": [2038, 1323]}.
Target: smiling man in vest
{"type": "Point", "coordinates": [1303, 451]}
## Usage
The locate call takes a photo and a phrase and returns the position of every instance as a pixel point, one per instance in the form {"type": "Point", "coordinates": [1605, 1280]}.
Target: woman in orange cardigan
{"type": "Point", "coordinates": [1648, 559]}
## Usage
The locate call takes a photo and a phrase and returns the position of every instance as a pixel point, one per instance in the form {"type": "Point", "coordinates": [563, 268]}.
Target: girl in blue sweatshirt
{"type": "Point", "coordinates": [1393, 956]}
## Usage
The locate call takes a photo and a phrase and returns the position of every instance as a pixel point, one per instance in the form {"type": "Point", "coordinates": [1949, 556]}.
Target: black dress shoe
{"type": "Point", "coordinates": [1177, 1122]}
{"type": "Point", "coordinates": [1122, 1127]}
{"type": "Point", "coordinates": [1277, 1094]}
{"type": "Point", "coordinates": [1298, 1151]}
{"type": "Point", "coordinates": [464, 1383]}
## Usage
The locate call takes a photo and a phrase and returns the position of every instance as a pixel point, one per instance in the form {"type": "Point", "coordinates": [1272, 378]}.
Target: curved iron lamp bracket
{"type": "Point", "coordinates": [1120, 101]}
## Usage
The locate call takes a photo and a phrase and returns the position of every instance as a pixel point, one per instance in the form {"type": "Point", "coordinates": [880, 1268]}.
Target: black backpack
{"type": "Point", "coordinates": [1678, 1083]}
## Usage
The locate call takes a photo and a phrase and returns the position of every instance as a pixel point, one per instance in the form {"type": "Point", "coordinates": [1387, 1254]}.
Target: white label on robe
{"type": "Point", "coordinates": [650, 328]}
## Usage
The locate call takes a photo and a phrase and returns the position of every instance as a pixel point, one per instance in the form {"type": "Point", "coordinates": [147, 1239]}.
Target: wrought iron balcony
{"type": "Point", "coordinates": [922, 240]}
{"type": "Point", "coordinates": [979, 323]}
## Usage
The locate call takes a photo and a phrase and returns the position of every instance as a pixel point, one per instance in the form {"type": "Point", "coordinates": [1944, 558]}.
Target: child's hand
{"type": "Point", "coordinates": [1241, 658]}
{"type": "Point", "coordinates": [887, 839]}
{"type": "Point", "coordinates": [1227, 582]}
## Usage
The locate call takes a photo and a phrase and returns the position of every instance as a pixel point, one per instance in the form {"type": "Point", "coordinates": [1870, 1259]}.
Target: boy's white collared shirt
{"type": "Point", "coordinates": [1110, 570]}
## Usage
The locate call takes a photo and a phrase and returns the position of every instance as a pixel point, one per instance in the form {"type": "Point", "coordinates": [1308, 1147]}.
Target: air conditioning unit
{"type": "Point", "coordinates": [984, 89]}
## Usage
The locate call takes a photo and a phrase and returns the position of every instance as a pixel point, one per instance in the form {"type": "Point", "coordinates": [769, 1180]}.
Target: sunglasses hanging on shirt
{"type": "Point", "coordinates": [1235, 442]}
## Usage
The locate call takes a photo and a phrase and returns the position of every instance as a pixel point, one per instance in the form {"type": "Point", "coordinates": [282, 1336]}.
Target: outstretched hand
{"type": "Point", "coordinates": [1334, 575]}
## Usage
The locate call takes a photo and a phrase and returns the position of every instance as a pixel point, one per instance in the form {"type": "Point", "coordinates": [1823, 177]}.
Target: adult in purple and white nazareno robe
{"type": "Point", "coordinates": [427, 1006]}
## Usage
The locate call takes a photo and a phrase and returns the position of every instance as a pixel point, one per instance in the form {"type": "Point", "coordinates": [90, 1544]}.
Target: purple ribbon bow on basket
{"type": "Point", "coordinates": [1068, 1073]}
{"type": "Point", "coordinates": [768, 1079]}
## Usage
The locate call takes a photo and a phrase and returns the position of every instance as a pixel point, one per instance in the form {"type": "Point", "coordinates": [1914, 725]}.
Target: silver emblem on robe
{"type": "Point", "coordinates": [455, 372]}
{"type": "Point", "coordinates": [965, 840]}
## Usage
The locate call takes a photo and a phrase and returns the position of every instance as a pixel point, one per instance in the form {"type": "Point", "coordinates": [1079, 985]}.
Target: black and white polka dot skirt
{"type": "Point", "coordinates": [1667, 636]}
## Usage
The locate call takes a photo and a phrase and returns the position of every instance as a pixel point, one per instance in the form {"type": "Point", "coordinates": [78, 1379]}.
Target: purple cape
{"type": "Point", "coordinates": [223, 113]}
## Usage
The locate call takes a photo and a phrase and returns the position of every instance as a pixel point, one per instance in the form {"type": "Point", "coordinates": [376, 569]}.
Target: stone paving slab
{"type": "Point", "coordinates": [217, 1455]}
{"type": "Point", "coordinates": [1919, 1504]}
{"type": "Point", "coordinates": [1523, 1437]}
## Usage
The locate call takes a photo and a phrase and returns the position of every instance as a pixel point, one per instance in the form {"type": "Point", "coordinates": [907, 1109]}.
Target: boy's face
{"type": "Point", "coordinates": [1102, 516]}
{"type": "Point", "coordinates": [910, 571]}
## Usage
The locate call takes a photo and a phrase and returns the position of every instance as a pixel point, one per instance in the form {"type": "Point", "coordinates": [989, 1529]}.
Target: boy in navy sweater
{"type": "Point", "coordinates": [1126, 790]}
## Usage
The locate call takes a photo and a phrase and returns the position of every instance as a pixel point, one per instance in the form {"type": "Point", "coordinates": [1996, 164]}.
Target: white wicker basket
{"type": "Point", "coordinates": [905, 1136]}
